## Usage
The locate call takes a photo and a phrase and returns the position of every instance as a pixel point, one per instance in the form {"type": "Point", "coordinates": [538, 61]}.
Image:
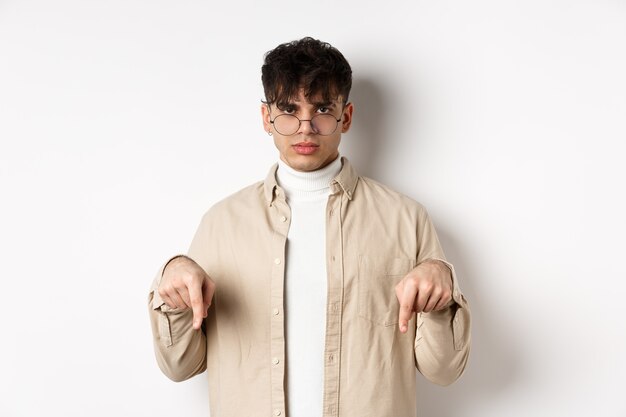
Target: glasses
{"type": "Point", "coordinates": [322, 124]}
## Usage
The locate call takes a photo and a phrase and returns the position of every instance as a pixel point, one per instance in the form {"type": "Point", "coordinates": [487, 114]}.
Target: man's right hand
{"type": "Point", "coordinates": [185, 285]}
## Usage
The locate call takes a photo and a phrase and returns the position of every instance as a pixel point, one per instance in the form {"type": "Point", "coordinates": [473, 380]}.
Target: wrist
{"type": "Point", "coordinates": [173, 260]}
{"type": "Point", "coordinates": [440, 265]}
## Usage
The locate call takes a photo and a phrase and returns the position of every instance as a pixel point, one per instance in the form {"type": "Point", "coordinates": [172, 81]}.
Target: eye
{"type": "Point", "coordinates": [288, 110]}
{"type": "Point", "coordinates": [323, 109]}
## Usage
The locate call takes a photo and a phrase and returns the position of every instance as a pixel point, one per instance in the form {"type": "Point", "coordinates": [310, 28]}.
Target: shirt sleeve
{"type": "Point", "coordinates": [180, 349]}
{"type": "Point", "coordinates": [442, 338]}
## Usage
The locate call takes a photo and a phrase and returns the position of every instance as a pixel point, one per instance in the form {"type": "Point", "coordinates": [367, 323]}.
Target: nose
{"type": "Point", "coordinates": [306, 127]}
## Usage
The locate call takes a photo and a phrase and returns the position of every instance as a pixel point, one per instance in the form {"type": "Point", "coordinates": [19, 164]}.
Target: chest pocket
{"type": "Point", "coordinates": [377, 279]}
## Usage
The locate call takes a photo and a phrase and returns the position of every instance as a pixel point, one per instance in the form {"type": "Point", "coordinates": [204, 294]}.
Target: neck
{"type": "Point", "coordinates": [300, 185]}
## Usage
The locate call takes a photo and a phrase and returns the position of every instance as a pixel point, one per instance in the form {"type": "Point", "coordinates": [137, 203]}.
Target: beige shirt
{"type": "Point", "coordinates": [374, 237]}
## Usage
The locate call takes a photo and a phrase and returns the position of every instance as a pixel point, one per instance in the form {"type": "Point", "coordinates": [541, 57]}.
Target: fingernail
{"type": "Point", "coordinates": [403, 328]}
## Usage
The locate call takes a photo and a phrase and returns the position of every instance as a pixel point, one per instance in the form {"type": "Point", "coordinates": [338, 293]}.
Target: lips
{"type": "Point", "coordinates": [305, 148]}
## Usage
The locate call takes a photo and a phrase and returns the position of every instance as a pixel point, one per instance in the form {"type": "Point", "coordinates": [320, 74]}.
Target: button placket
{"type": "Point", "coordinates": [280, 215]}
{"type": "Point", "coordinates": [334, 300]}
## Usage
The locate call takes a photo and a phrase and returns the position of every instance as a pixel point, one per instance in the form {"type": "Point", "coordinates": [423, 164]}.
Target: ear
{"type": "Point", "coordinates": [265, 115]}
{"type": "Point", "coordinates": [346, 117]}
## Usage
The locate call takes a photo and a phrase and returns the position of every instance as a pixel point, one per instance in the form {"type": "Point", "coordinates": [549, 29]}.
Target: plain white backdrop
{"type": "Point", "coordinates": [122, 121]}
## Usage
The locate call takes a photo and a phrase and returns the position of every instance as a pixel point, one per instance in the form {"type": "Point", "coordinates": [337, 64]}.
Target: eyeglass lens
{"type": "Point", "coordinates": [322, 124]}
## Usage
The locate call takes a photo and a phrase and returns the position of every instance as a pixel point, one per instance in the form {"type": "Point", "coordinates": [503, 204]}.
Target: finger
{"type": "Point", "coordinates": [184, 295]}
{"type": "Point", "coordinates": [167, 300]}
{"type": "Point", "coordinates": [195, 299]}
{"type": "Point", "coordinates": [433, 300]}
{"type": "Point", "coordinates": [208, 289]}
{"type": "Point", "coordinates": [177, 300]}
{"type": "Point", "coordinates": [443, 302]}
{"type": "Point", "coordinates": [407, 303]}
{"type": "Point", "coordinates": [423, 295]}
{"type": "Point", "coordinates": [171, 298]}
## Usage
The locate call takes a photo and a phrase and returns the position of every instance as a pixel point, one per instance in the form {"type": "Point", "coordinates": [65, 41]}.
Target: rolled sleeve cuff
{"type": "Point", "coordinates": [460, 308]}
{"type": "Point", "coordinates": [457, 295]}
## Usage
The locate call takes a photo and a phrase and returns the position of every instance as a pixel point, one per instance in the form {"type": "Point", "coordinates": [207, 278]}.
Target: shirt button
{"type": "Point", "coordinates": [331, 211]}
{"type": "Point", "coordinates": [283, 219]}
{"type": "Point", "coordinates": [275, 361]}
{"type": "Point", "coordinates": [277, 261]}
{"type": "Point", "coordinates": [276, 412]}
{"type": "Point", "coordinates": [276, 311]}
{"type": "Point", "coordinates": [333, 258]}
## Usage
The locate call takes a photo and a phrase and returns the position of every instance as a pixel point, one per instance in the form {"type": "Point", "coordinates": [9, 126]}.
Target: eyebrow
{"type": "Point", "coordinates": [324, 104]}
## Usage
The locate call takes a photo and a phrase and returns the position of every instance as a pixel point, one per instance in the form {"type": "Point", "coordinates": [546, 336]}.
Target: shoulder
{"type": "Point", "coordinates": [374, 192]}
{"type": "Point", "coordinates": [248, 198]}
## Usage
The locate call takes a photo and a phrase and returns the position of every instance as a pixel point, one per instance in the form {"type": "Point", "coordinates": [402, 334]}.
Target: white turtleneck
{"type": "Point", "coordinates": [306, 285]}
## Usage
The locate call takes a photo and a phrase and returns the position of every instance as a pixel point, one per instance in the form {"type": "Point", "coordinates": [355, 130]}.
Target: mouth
{"type": "Point", "coordinates": [305, 148]}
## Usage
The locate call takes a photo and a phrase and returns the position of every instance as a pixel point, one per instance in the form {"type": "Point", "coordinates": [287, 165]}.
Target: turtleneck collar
{"type": "Point", "coordinates": [299, 185]}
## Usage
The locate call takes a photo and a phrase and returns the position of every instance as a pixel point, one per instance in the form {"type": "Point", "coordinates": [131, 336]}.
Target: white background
{"type": "Point", "coordinates": [122, 121]}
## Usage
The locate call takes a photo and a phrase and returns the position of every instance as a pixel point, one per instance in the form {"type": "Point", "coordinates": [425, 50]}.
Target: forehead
{"type": "Point", "coordinates": [312, 100]}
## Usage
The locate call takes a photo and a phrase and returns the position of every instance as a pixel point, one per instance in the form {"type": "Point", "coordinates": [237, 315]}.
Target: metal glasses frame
{"type": "Point", "coordinates": [307, 120]}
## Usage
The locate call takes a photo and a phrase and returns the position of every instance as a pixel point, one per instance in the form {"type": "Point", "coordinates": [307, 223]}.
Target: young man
{"type": "Point", "coordinates": [298, 293]}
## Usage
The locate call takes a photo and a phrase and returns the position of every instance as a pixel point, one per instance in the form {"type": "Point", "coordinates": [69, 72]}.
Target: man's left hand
{"type": "Point", "coordinates": [428, 287]}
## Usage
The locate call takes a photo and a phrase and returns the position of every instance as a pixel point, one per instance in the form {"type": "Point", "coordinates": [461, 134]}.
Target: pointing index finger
{"type": "Point", "coordinates": [407, 301]}
{"type": "Point", "coordinates": [195, 296]}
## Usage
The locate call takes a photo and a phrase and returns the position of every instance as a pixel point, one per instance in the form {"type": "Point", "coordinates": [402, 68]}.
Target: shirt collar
{"type": "Point", "coordinates": [345, 181]}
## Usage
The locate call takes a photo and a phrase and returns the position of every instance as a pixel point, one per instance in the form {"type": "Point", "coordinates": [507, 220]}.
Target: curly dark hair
{"type": "Point", "coordinates": [308, 63]}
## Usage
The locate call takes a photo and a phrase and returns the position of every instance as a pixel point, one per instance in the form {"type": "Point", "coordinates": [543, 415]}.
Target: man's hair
{"type": "Point", "coordinates": [308, 63]}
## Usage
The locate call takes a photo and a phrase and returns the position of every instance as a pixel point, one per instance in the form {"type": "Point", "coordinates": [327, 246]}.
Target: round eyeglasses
{"type": "Point", "coordinates": [322, 124]}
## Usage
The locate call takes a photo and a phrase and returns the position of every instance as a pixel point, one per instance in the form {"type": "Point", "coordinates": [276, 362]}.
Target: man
{"type": "Point", "coordinates": [315, 292]}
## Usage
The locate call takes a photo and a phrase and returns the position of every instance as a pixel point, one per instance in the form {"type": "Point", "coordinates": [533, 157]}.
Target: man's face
{"type": "Point", "coordinates": [306, 150]}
